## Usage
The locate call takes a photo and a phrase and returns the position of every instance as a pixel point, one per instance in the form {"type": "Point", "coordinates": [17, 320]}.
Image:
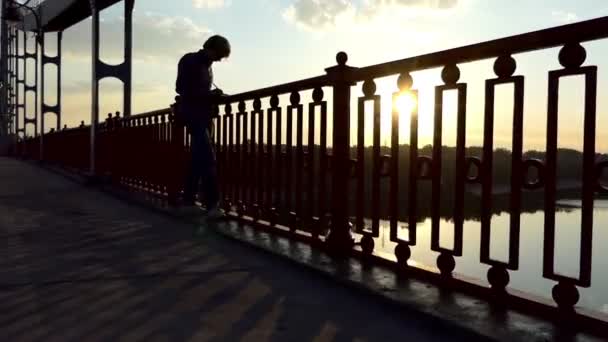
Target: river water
{"type": "Point", "coordinates": [529, 276]}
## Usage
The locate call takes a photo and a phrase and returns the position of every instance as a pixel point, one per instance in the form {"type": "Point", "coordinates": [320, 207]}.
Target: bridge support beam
{"type": "Point", "coordinates": [45, 108]}
{"type": "Point", "coordinates": [101, 70]}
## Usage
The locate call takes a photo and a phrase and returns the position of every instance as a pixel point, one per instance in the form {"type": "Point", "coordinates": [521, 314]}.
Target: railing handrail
{"type": "Point", "coordinates": [149, 114]}
{"type": "Point", "coordinates": [537, 40]}
{"type": "Point", "coordinates": [280, 89]}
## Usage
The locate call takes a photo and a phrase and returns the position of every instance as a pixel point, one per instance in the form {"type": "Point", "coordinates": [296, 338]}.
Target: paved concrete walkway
{"type": "Point", "coordinates": [79, 265]}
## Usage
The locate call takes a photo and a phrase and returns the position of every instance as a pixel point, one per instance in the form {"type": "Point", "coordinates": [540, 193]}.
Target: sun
{"type": "Point", "coordinates": [405, 103]}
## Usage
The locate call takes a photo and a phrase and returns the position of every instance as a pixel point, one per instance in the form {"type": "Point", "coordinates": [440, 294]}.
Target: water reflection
{"type": "Point", "coordinates": [529, 276]}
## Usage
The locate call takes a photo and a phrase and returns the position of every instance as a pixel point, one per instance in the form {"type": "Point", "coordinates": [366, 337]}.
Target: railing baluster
{"type": "Point", "coordinates": [237, 180]}
{"type": "Point", "coordinates": [255, 160]}
{"type": "Point", "coordinates": [402, 251]}
{"type": "Point", "coordinates": [299, 165]}
{"type": "Point", "coordinates": [565, 293]}
{"type": "Point", "coordinates": [277, 205]}
{"type": "Point", "coordinates": [369, 94]}
{"type": "Point", "coordinates": [309, 163]}
{"type": "Point", "coordinates": [257, 105]}
{"type": "Point", "coordinates": [445, 261]}
{"type": "Point", "coordinates": [294, 100]}
{"type": "Point", "coordinates": [498, 276]}
{"type": "Point", "coordinates": [244, 160]}
{"type": "Point", "coordinates": [268, 200]}
{"type": "Point", "coordinates": [323, 167]}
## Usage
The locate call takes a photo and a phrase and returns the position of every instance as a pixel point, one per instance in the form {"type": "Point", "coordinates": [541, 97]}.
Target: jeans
{"type": "Point", "coordinates": [202, 168]}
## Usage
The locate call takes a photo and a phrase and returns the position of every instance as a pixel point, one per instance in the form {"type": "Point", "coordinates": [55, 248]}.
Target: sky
{"type": "Point", "coordinates": [278, 41]}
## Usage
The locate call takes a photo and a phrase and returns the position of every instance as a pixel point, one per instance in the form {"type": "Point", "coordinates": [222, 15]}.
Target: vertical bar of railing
{"type": "Point", "coordinates": [322, 199]}
{"type": "Point", "coordinates": [176, 151]}
{"type": "Point", "coordinates": [230, 170]}
{"type": "Point", "coordinates": [163, 139]}
{"type": "Point", "coordinates": [403, 251]}
{"type": "Point", "coordinates": [376, 171]}
{"type": "Point", "coordinates": [254, 160]}
{"type": "Point", "coordinates": [269, 157]}
{"type": "Point", "coordinates": [278, 190]}
{"type": "Point", "coordinates": [237, 173]}
{"type": "Point", "coordinates": [360, 200]}
{"type": "Point", "coordinates": [257, 105]}
{"type": "Point", "coordinates": [404, 83]}
{"type": "Point", "coordinates": [245, 164]}
{"type": "Point", "coordinates": [216, 137]}
{"type": "Point", "coordinates": [294, 100]}
{"type": "Point", "coordinates": [225, 150]}
{"type": "Point", "coordinates": [309, 163]}
{"type": "Point", "coordinates": [154, 155]}
{"type": "Point", "coordinates": [299, 164]}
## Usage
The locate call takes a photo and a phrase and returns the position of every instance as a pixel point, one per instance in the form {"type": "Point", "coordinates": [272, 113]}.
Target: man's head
{"type": "Point", "coordinates": [217, 48]}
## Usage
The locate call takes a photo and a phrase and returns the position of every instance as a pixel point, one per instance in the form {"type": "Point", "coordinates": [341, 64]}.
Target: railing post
{"type": "Point", "coordinates": [176, 150]}
{"type": "Point", "coordinates": [340, 241]}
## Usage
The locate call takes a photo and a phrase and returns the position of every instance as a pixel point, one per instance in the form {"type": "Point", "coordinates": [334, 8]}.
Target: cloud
{"type": "Point", "coordinates": [156, 38]}
{"type": "Point", "coordinates": [564, 17]}
{"type": "Point", "coordinates": [209, 4]}
{"type": "Point", "coordinates": [320, 14]}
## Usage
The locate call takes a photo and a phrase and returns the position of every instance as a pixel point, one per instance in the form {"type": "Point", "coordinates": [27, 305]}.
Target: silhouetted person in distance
{"type": "Point", "coordinates": [194, 82]}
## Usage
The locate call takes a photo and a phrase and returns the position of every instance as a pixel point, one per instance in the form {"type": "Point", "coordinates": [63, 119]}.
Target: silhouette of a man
{"type": "Point", "coordinates": [194, 81]}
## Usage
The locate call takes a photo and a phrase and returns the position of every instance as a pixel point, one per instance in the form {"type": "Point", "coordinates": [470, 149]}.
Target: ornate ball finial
{"type": "Point", "coordinates": [446, 264]}
{"type": "Point", "coordinates": [405, 81]}
{"type": "Point", "coordinates": [565, 295]}
{"type": "Point", "coordinates": [294, 98]}
{"type": "Point", "coordinates": [450, 74]}
{"type": "Point", "coordinates": [257, 104]}
{"type": "Point", "coordinates": [498, 277]}
{"type": "Point", "coordinates": [242, 106]}
{"type": "Point", "coordinates": [317, 95]}
{"type": "Point", "coordinates": [274, 101]}
{"type": "Point", "coordinates": [403, 253]}
{"type": "Point", "coordinates": [228, 108]}
{"type": "Point", "coordinates": [572, 56]}
{"type": "Point", "coordinates": [367, 244]}
{"type": "Point", "coordinates": [341, 58]}
{"type": "Point", "coordinates": [505, 66]}
{"type": "Point", "coordinates": [369, 88]}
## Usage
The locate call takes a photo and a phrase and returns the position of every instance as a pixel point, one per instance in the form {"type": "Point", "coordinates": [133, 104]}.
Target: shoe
{"type": "Point", "coordinates": [215, 213]}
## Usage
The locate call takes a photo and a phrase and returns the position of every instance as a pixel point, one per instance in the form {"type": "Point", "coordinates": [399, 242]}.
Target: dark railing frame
{"type": "Point", "coordinates": [259, 204]}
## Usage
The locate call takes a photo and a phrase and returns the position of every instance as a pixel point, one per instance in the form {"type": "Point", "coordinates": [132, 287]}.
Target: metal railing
{"type": "Point", "coordinates": [274, 175]}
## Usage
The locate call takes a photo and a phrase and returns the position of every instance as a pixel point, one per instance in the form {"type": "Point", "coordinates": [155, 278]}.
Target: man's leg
{"type": "Point", "coordinates": [209, 172]}
{"type": "Point", "coordinates": [197, 163]}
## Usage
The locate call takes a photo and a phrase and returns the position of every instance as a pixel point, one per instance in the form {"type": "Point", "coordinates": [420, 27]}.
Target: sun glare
{"type": "Point", "coordinates": [406, 103]}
